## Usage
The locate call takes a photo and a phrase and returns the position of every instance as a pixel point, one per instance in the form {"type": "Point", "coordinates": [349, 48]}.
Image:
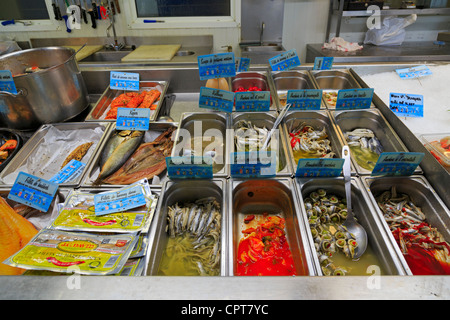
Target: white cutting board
{"type": "Point", "coordinates": [162, 52]}
{"type": "Point", "coordinates": [86, 51]}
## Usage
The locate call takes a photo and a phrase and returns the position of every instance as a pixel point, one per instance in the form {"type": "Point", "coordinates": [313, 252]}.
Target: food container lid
{"type": "Point", "coordinates": [439, 146]}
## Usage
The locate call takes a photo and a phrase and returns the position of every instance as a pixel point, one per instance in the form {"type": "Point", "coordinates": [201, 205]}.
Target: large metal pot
{"type": "Point", "coordinates": [54, 94]}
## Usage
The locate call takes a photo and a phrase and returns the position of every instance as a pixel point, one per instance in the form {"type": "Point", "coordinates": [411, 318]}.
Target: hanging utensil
{"type": "Point", "coordinates": [350, 223]}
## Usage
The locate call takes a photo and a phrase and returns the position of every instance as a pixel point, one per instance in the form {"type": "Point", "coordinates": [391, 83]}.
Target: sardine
{"type": "Point", "coordinates": [120, 154]}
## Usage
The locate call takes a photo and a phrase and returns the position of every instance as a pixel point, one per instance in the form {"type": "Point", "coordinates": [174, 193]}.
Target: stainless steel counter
{"type": "Point", "coordinates": [408, 51]}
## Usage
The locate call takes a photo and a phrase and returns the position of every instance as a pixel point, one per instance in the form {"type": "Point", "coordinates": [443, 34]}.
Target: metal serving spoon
{"type": "Point", "coordinates": [350, 223]}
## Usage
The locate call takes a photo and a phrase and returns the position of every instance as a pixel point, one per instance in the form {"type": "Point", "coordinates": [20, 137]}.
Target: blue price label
{"type": "Point", "coordinates": [70, 172]}
{"type": "Point", "coordinates": [120, 200]}
{"type": "Point", "coordinates": [189, 167]}
{"type": "Point", "coordinates": [33, 191]}
{"type": "Point", "coordinates": [414, 72]}
{"type": "Point", "coordinates": [124, 81]}
{"type": "Point", "coordinates": [216, 99]}
{"type": "Point", "coordinates": [252, 101]}
{"type": "Point", "coordinates": [242, 64]}
{"type": "Point", "coordinates": [323, 63]}
{"type": "Point", "coordinates": [136, 119]}
{"type": "Point", "coordinates": [220, 65]}
{"type": "Point", "coordinates": [284, 61]}
{"type": "Point", "coordinates": [308, 99]}
{"type": "Point", "coordinates": [253, 164]}
{"type": "Point", "coordinates": [322, 167]}
{"type": "Point", "coordinates": [7, 82]}
{"type": "Point", "coordinates": [406, 105]}
{"type": "Point", "coordinates": [354, 98]}
{"type": "Point", "coordinates": [397, 163]}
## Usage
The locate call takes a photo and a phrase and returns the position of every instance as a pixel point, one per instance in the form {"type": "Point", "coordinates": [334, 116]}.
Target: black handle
{"type": "Point", "coordinates": [94, 24]}
{"type": "Point", "coordinates": [83, 13]}
{"type": "Point", "coordinates": [55, 11]}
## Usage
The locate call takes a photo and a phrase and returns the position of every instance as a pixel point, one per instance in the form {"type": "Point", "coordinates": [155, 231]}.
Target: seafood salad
{"type": "Point", "coordinates": [364, 146]}
{"type": "Point", "coordinates": [424, 247]}
{"type": "Point", "coordinates": [308, 142]}
{"type": "Point", "coordinates": [326, 214]}
{"type": "Point", "coordinates": [194, 242]}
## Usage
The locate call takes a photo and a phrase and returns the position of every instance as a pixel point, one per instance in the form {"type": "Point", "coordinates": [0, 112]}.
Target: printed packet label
{"type": "Point", "coordinates": [323, 167]}
{"type": "Point", "coordinates": [216, 99]}
{"type": "Point", "coordinates": [406, 105]}
{"type": "Point", "coordinates": [33, 191]}
{"type": "Point", "coordinates": [307, 99]}
{"type": "Point", "coordinates": [120, 200]}
{"type": "Point", "coordinates": [284, 61]}
{"type": "Point", "coordinates": [136, 119]}
{"type": "Point", "coordinates": [220, 65]}
{"type": "Point", "coordinates": [124, 81]}
{"type": "Point", "coordinates": [397, 163]}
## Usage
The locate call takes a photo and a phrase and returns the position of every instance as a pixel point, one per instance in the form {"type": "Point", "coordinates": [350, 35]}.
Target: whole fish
{"type": "Point", "coordinates": [120, 154]}
{"type": "Point", "coordinates": [111, 145]}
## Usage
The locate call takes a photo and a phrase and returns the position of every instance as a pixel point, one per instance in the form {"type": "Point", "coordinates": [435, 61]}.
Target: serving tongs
{"type": "Point", "coordinates": [275, 125]}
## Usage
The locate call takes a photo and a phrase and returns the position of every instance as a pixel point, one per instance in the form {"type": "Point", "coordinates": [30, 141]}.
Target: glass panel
{"type": "Point", "coordinates": [182, 8]}
{"type": "Point", "coordinates": [23, 10]}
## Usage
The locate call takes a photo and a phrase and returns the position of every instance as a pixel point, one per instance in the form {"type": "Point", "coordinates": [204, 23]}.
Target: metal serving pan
{"type": "Point", "coordinates": [32, 146]}
{"type": "Point", "coordinates": [155, 129]}
{"type": "Point", "coordinates": [319, 120]}
{"type": "Point", "coordinates": [379, 245]}
{"type": "Point", "coordinates": [423, 196]}
{"type": "Point", "coordinates": [185, 191]}
{"type": "Point", "coordinates": [372, 119]}
{"type": "Point", "coordinates": [273, 197]}
{"type": "Point", "coordinates": [98, 111]}
{"type": "Point", "coordinates": [292, 80]}
{"type": "Point", "coordinates": [211, 129]}
{"type": "Point", "coordinates": [258, 79]}
{"type": "Point", "coordinates": [267, 120]}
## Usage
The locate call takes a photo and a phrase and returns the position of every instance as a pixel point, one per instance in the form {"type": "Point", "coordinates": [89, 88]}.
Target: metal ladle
{"type": "Point", "coordinates": [350, 223]}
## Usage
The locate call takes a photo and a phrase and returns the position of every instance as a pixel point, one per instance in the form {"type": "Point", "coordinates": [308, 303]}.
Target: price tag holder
{"type": "Point", "coordinates": [33, 191]}
{"type": "Point", "coordinates": [136, 119]}
{"type": "Point", "coordinates": [323, 63]}
{"type": "Point", "coordinates": [124, 81]}
{"type": "Point", "coordinates": [323, 167]}
{"type": "Point", "coordinates": [189, 167]}
{"type": "Point", "coordinates": [7, 82]}
{"type": "Point", "coordinates": [397, 163]}
{"type": "Point", "coordinates": [70, 172]}
{"type": "Point", "coordinates": [354, 99]}
{"type": "Point", "coordinates": [242, 64]}
{"type": "Point", "coordinates": [308, 99]}
{"type": "Point", "coordinates": [216, 99]}
{"type": "Point", "coordinates": [252, 101]}
{"type": "Point", "coordinates": [284, 61]}
{"type": "Point", "coordinates": [220, 65]}
{"type": "Point", "coordinates": [406, 105]}
{"type": "Point", "coordinates": [120, 200]}
{"type": "Point", "coordinates": [414, 72]}
{"type": "Point", "coordinates": [253, 164]}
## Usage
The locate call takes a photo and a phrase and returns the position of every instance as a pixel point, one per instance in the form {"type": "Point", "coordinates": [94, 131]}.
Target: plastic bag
{"type": "Point", "coordinates": [8, 46]}
{"type": "Point", "coordinates": [391, 33]}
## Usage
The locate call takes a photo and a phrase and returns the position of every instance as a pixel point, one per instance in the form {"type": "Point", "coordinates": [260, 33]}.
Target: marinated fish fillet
{"type": "Point", "coordinates": [78, 153]}
{"type": "Point", "coordinates": [15, 233]}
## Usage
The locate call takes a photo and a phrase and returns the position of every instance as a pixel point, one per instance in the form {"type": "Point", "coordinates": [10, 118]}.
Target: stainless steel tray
{"type": "Point", "coordinates": [267, 120]}
{"type": "Point", "coordinates": [272, 196]}
{"type": "Point", "coordinates": [378, 241]}
{"type": "Point", "coordinates": [292, 80]}
{"type": "Point", "coordinates": [29, 150]}
{"type": "Point", "coordinates": [372, 119]}
{"type": "Point", "coordinates": [92, 171]}
{"type": "Point", "coordinates": [319, 120]}
{"type": "Point", "coordinates": [98, 111]}
{"type": "Point", "coordinates": [260, 79]}
{"type": "Point", "coordinates": [185, 191]}
{"type": "Point", "coordinates": [212, 129]}
{"type": "Point", "coordinates": [423, 196]}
